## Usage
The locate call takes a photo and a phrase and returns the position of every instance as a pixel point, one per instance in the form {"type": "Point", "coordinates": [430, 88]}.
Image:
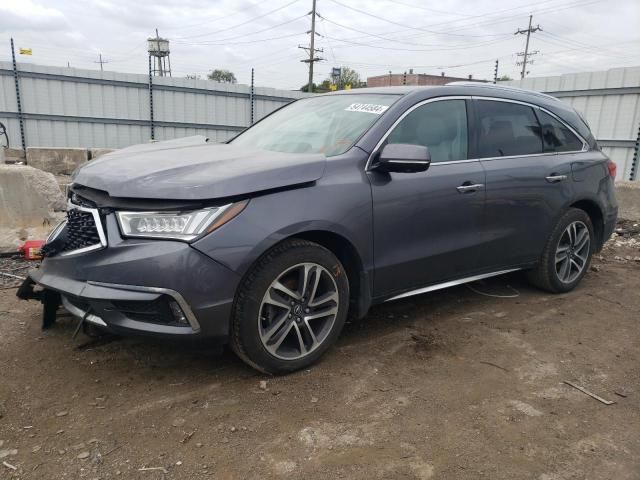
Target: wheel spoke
{"type": "Point", "coordinates": [322, 313]}
{"type": "Point", "coordinates": [271, 300]}
{"type": "Point", "coordinates": [303, 347]}
{"type": "Point", "coordinates": [287, 291]}
{"type": "Point", "coordinates": [314, 287]}
{"type": "Point", "coordinates": [309, 330]}
{"type": "Point", "coordinates": [565, 270]}
{"type": "Point", "coordinates": [274, 327]}
{"type": "Point", "coordinates": [283, 335]}
{"type": "Point", "coordinates": [575, 264]}
{"type": "Point", "coordinates": [326, 298]}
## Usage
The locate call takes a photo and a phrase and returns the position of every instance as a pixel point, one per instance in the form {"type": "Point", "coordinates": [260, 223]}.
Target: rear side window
{"type": "Point", "coordinates": [556, 136]}
{"type": "Point", "coordinates": [441, 126]}
{"type": "Point", "coordinates": [506, 129]}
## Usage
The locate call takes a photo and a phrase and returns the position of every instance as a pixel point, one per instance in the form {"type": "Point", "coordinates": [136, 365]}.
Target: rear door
{"type": "Point", "coordinates": [528, 182]}
{"type": "Point", "coordinates": [427, 225]}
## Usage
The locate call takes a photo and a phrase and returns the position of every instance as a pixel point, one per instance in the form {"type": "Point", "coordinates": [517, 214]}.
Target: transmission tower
{"type": "Point", "coordinates": [100, 61]}
{"type": "Point", "coordinates": [311, 48]}
{"type": "Point", "coordinates": [526, 54]}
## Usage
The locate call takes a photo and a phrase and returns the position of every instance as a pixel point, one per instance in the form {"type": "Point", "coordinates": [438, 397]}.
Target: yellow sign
{"type": "Point", "coordinates": [26, 51]}
{"type": "Point", "coordinates": [333, 88]}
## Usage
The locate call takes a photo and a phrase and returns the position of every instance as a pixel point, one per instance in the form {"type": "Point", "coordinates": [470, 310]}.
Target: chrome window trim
{"type": "Point", "coordinates": [452, 283]}
{"type": "Point", "coordinates": [585, 145]}
{"type": "Point", "coordinates": [191, 318]}
{"type": "Point", "coordinates": [96, 218]}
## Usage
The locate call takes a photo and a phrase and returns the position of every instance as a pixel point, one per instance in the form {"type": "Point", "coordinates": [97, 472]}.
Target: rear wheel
{"type": "Point", "coordinates": [567, 255]}
{"type": "Point", "coordinates": [290, 308]}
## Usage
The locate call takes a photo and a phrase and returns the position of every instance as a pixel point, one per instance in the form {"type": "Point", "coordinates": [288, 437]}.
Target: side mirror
{"type": "Point", "coordinates": [404, 158]}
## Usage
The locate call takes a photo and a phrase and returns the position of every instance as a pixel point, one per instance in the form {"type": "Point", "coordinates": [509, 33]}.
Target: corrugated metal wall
{"type": "Point", "coordinates": [610, 101]}
{"type": "Point", "coordinates": [65, 107]}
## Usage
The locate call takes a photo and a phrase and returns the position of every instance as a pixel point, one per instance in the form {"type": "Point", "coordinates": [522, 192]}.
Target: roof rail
{"type": "Point", "coordinates": [507, 88]}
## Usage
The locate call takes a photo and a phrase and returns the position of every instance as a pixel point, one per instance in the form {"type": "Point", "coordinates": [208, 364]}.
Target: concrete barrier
{"type": "Point", "coordinates": [98, 152]}
{"type": "Point", "coordinates": [30, 204]}
{"type": "Point", "coordinates": [628, 194]}
{"type": "Point", "coordinates": [59, 161]}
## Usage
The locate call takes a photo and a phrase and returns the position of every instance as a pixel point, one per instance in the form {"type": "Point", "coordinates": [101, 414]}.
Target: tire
{"type": "Point", "coordinates": [281, 323]}
{"type": "Point", "coordinates": [565, 259]}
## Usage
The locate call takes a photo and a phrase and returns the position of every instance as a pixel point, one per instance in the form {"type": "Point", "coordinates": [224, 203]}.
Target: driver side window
{"type": "Point", "coordinates": [441, 126]}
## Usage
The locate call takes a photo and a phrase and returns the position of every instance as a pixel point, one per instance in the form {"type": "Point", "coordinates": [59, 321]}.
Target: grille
{"type": "Point", "coordinates": [156, 311]}
{"type": "Point", "coordinates": [81, 231]}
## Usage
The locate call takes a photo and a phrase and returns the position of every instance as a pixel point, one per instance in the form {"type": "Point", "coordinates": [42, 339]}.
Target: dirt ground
{"type": "Point", "coordinates": [448, 385]}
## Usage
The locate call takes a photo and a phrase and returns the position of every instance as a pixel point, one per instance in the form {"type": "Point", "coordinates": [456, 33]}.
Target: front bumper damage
{"type": "Point", "coordinates": [151, 287]}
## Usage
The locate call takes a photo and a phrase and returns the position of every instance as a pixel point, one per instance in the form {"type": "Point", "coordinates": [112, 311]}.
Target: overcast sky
{"type": "Point", "coordinates": [459, 37]}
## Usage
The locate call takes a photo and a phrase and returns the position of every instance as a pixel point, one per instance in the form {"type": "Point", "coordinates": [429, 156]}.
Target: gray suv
{"type": "Point", "coordinates": [329, 205]}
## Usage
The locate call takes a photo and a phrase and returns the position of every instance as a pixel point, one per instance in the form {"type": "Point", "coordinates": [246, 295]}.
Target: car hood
{"type": "Point", "coordinates": [191, 169]}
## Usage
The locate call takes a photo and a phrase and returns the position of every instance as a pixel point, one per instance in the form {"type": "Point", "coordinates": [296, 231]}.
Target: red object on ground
{"type": "Point", "coordinates": [31, 249]}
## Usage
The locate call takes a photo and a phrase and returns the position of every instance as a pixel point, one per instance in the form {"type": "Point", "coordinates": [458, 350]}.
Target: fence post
{"type": "Point", "coordinates": [153, 137]}
{"type": "Point", "coordinates": [633, 173]}
{"type": "Point", "coordinates": [251, 97]}
{"type": "Point", "coordinates": [18, 99]}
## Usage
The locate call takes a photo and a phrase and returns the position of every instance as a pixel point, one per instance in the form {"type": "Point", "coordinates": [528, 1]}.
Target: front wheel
{"type": "Point", "coordinates": [290, 308]}
{"type": "Point", "coordinates": [567, 255]}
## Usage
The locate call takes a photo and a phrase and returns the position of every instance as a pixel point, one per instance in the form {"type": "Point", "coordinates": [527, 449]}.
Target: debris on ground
{"type": "Point", "coordinates": [587, 392]}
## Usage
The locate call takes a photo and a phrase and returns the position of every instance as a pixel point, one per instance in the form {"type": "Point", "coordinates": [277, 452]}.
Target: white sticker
{"type": "Point", "coordinates": [367, 108]}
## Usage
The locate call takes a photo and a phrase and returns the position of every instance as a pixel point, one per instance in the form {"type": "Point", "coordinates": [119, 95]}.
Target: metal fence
{"type": "Point", "coordinates": [68, 107]}
{"type": "Point", "coordinates": [610, 102]}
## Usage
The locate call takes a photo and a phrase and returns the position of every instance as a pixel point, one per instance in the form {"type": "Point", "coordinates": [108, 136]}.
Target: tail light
{"type": "Point", "coordinates": [613, 168]}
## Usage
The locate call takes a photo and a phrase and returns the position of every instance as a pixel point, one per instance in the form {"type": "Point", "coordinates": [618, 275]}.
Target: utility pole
{"type": "Point", "coordinates": [526, 53]}
{"type": "Point", "coordinates": [312, 50]}
{"type": "Point", "coordinates": [100, 61]}
{"type": "Point", "coordinates": [495, 72]}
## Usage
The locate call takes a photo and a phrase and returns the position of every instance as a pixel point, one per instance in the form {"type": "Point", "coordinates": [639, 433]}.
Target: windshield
{"type": "Point", "coordinates": [328, 124]}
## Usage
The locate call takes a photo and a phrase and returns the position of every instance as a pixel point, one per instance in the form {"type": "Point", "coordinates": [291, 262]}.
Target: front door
{"type": "Point", "coordinates": [428, 225]}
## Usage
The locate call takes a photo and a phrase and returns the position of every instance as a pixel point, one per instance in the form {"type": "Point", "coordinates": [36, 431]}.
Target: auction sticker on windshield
{"type": "Point", "coordinates": [367, 108]}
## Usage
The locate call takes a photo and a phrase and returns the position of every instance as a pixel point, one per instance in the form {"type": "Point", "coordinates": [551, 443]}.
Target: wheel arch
{"type": "Point", "coordinates": [591, 208]}
{"type": "Point", "coordinates": [346, 252]}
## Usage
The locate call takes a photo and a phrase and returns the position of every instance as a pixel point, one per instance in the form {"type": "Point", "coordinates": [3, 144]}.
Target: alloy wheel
{"type": "Point", "coordinates": [572, 253]}
{"type": "Point", "coordinates": [298, 311]}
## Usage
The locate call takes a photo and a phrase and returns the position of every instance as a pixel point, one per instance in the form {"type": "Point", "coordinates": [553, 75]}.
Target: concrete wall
{"type": "Point", "coordinates": [67, 107]}
{"type": "Point", "coordinates": [628, 194]}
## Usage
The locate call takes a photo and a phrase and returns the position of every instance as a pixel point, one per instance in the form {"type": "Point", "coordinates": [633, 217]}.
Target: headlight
{"type": "Point", "coordinates": [177, 225]}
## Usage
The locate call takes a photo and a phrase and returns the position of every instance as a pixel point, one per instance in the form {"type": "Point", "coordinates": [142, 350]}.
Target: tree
{"type": "Point", "coordinates": [192, 76]}
{"type": "Point", "coordinates": [224, 76]}
{"type": "Point", "coordinates": [504, 78]}
{"type": "Point", "coordinates": [348, 76]}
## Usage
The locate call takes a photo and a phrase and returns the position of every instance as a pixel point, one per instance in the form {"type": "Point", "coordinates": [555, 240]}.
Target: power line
{"type": "Point", "coordinates": [410, 26]}
{"type": "Point", "coordinates": [526, 53]}
{"type": "Point", "coordinates": [217, 42]}
{"type": "Point", "coordinates": [252, 19]}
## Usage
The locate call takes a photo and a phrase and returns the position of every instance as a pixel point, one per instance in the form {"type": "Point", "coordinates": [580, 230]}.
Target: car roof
{"type": "Point", "coordinates": [461, 88]}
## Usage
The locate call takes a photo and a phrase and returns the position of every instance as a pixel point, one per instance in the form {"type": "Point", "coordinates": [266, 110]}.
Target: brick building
{"type": "Point", "coordinates": [397, 79]}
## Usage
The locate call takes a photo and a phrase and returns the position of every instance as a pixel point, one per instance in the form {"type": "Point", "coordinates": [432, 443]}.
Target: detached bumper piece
{"type": "Point", "coordinates": [115, 308]}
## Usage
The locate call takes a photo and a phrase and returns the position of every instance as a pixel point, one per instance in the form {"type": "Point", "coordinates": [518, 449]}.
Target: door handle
{"type": "Point", "coordinates": [469, 188]}
{"type": "Point", "coordinates": [555, 178]}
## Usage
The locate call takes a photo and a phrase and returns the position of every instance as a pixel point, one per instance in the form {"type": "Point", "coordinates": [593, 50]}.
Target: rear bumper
{"type": "Point", "coordinates": [160, 288]}
{"type": "Point", "coordinates": [610, 222]}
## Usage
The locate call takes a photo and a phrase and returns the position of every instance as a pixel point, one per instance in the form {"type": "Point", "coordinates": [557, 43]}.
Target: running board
{"type": "Point", "coordinates": [451, 283]}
